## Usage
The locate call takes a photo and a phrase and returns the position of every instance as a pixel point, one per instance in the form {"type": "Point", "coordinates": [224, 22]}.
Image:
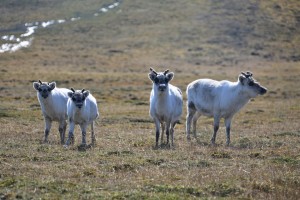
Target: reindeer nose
{"type": "Point", "coordinates": [162, 87]}
{"type": "Point", "coordinates": [263, 90]}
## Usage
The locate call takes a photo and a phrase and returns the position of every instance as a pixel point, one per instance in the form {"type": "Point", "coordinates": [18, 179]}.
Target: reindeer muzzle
{"type": "Point", "coordinates": [162, 87]}
{"type": "Point", "coordinates": [79, 105]}
{"type": "Point", "coordinates": [44, 96]}
{"type": "Point", "coordinates": [263, 90]}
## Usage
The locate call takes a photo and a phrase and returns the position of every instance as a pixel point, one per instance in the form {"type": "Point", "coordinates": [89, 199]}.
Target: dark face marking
{"type": "Point", "coordinates": [161, 79]}
{"type": "Point", "coordinates": [44, 88]}
{"type": "Point", "coordinates": [253, 84]}
{"type": "Point", "coordinates": [256, 86]}
{"type": "Point", "coordinates": [78, 97]}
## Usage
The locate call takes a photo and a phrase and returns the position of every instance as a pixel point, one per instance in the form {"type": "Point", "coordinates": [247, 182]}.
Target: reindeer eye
{"type": "Point", "coordinates": [73, 98]}
{"type": "Point", "coordinates": [40, 89]}
{"type": "Point", "coordinates": [251, 83]}
{"type": "Point", "coordinates": [156, 80]}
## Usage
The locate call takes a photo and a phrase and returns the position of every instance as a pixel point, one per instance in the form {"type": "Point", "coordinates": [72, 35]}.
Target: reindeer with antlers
{"type": "Point", "coordinates": [165, 104]}
{"type": "Point", "coordinates": [219, 99]}
{"type": "Point", "coordinates": [53, 102]}
{"type": "Point", "coordinates": [82, 109]}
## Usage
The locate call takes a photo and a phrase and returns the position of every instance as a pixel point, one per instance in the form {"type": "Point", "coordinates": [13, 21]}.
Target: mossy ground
{"type": "Point", "coordinates": [110, 55]}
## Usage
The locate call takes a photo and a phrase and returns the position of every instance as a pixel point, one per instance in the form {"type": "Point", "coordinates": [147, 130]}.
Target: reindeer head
{"type": "Point", "coordinates": [161, 79]}
{"type": "Point", "coordinates": [78, 96]}
{"type": "Point", "coordinates": [44, 88]}
{"type": "Point", "coordinates": [251, 85]}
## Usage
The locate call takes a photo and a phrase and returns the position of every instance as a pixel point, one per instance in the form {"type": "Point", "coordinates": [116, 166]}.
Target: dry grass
{"type": "Point", "coordinates": [110, 55]}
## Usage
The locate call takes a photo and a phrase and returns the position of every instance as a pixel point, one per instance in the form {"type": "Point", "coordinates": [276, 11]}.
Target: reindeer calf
{"type": "Point", "coordinates": [165, 103]}
{"type": "Point", "coordinates": [53, 102]}
{"type": "Point", "coordinates": [82, 109]}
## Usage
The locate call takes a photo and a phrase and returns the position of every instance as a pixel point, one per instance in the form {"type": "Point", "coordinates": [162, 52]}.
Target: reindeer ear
{"type": "Point", "coordinates": [152, 76]}
{"type": "Point", "coordinates": [36, 85]}
{"type": "Point", "coordinates": [170, 76]}
{"type": "Point", "coordinates": [52, 85]}
{"type": "Point", "coordinates": [86, 93]}
{"type": "Point", "coordinates": [70, 94]}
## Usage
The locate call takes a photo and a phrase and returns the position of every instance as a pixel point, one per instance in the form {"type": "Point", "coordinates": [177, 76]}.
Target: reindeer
{"type": "Point", "coordinates": [219, 99]}
{"type": "Point", "coordinates": [82, 109]}
{"type": "Point", "coordinates": [53, 102]}
{"type": "Point", "coordinates": [165, 104]}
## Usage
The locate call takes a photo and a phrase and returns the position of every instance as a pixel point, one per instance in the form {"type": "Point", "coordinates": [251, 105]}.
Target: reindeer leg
{"type": "Point", "coordinates": [93, 134]}
{"type": "Point", "coordinates": [48, 124]}
{"type": "Point", "coordinates": [163, 126]}
{"type": "Point", "coordinates": [228, 124]}
{"type": "Point", "coordinates": [216, 128]}
{"type": "Point", "coordinates": [168, 131]}
{"type": "Point", "coordinates": [191, 110]}
{"type": "Point", "coordinates": [70, 139]}
{"type": "Point", "coordinates": [157, 123]}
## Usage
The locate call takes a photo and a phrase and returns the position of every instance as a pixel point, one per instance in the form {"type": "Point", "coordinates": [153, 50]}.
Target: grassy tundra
{"type": "Point", "coordinates": [110, 55]}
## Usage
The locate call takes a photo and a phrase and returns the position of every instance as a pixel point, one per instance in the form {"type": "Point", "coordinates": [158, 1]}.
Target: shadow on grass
{"type": "Point", "coordinates": [84, 147]}
{"type": "Point", "coordinates": [164, 146]}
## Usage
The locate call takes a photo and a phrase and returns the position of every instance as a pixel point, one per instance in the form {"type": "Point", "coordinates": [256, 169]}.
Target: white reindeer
{"type": "Point", "coordinates": [53, 103]}
{"type": "Point", "coordinates": [219, 99]}
{"type": "Point", "coordinates": [165, 104]}
{"type": "Point", "coordinates": [83, 110]}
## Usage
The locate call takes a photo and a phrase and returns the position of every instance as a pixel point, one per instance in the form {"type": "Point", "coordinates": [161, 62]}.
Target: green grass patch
{"type": "Point", "coordinates": [119, 153]}
{"type": "Point", "coordinates": [182, 190]}
{"type": "Point", "coordinates": [262, 186]}
{"type": "Point", "coordinates": [283, 134]}
{"type": "Point", "coordinates": [7, 182]}
{"type": "Point", "coordinates": [199, 163]}
{"type": "Point", "coordinates": [123, 167]}
{"type": "Point", "coordinates": [221, 154]}
{"type": "Point", "coordinates": [245, 143]}
{"type": "Point", "coordinates": [256, 155]}
{"type": "Point", "coordinates": [286, 160]}
{"type": "Point", "coordinates": [156, 161]}
{"type": "Point", "coordinates": [224, 190]}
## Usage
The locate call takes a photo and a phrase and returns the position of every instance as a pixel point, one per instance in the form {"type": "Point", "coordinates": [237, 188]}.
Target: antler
{"type": "Point", "coordinates": [165, 73]}
{"type": "Point", "coordinates": [40, 82]}
{"type": "Point", "coordinates": [153, 71]}
{"type": "Point", "coordinates": [82, 90]}
{"type": "Point", "coordinates": [72, 89]}
{"type": "Point", "coordinates": [247, 74]}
